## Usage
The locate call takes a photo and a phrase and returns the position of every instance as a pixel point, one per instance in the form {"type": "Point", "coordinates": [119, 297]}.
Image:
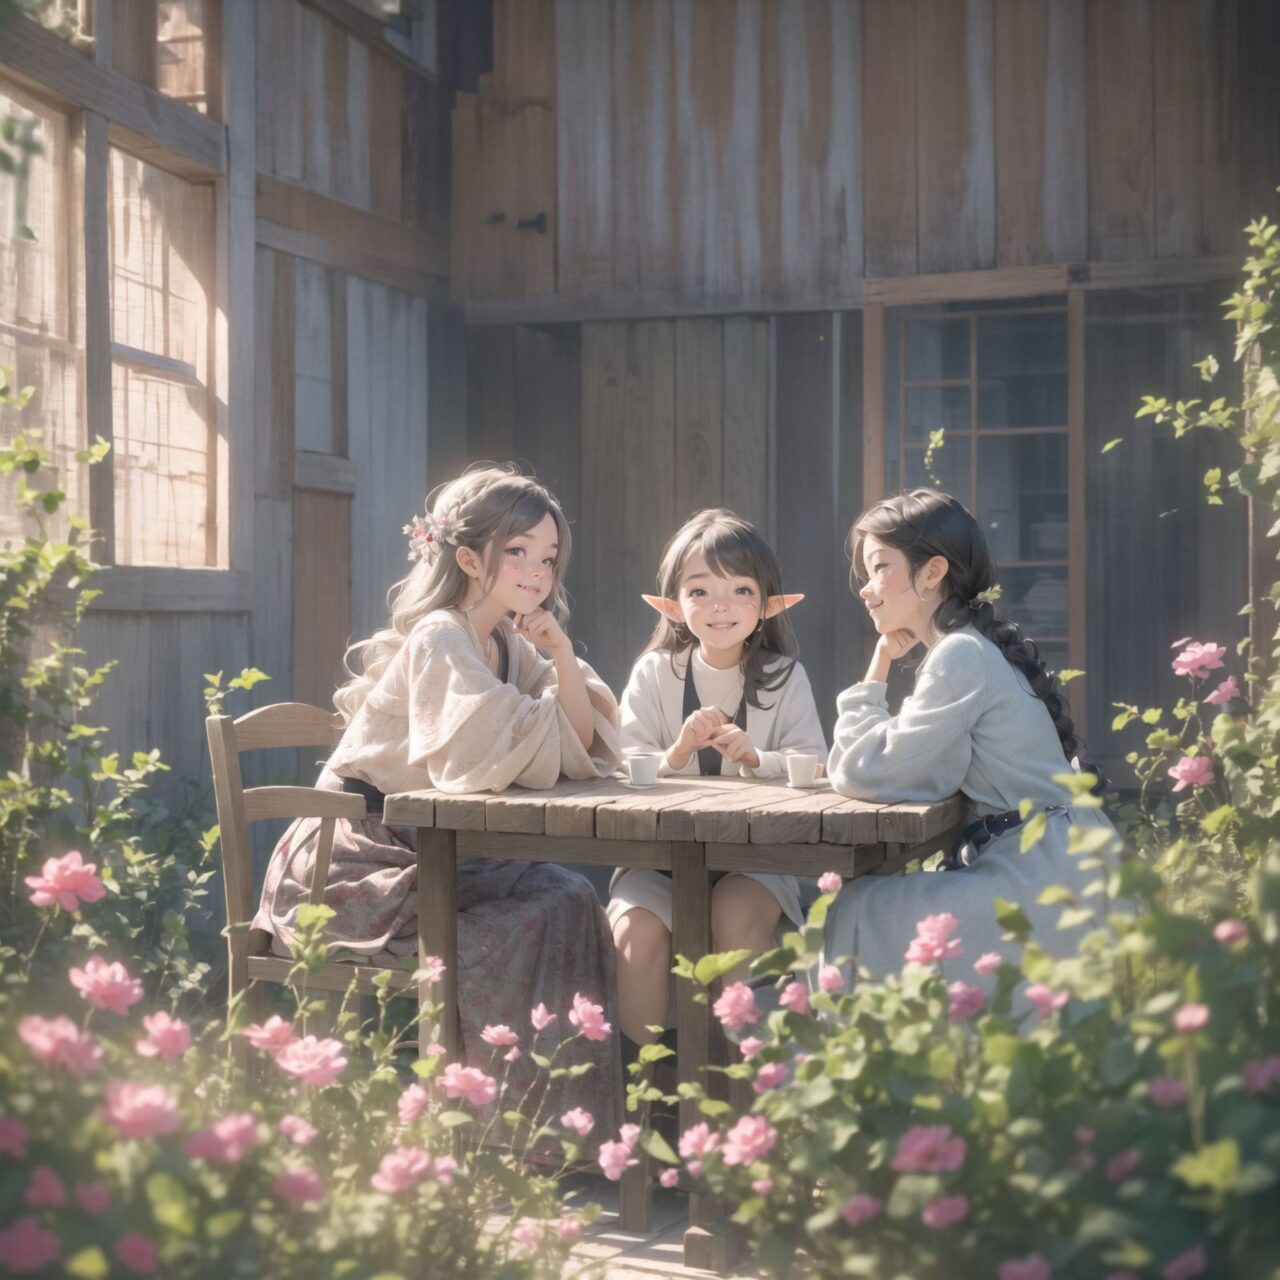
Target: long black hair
{"type": "Point", "coordinates": [732, 548]}
{"type": "Point", "coordinates": [925, 523]}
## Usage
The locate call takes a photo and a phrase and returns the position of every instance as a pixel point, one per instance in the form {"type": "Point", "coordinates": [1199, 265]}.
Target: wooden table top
{"type": "Point", "coordinates": [687, 808]}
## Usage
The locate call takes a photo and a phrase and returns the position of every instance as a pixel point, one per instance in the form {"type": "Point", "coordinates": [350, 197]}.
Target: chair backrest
{"type": "Point", "coordinates": [284, 724]}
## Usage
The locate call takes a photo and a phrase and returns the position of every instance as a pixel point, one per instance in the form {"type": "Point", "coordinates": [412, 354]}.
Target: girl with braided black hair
{"type": "Point", "coordinates": [986, 718]}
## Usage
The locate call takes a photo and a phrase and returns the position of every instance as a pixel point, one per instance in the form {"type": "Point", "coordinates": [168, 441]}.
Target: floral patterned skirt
{"type": "Point", "coordinates": [528, 933]}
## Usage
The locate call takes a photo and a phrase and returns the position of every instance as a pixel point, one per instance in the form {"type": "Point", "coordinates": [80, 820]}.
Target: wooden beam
{"type": "Point", "coordinates": [1152, 271]}
{"type": "Point", "coordinates": [1077, 540]}
{"type": "Point", "coordinates": [873, 401]}
{"type": "Point", "coordinates": [161, 589]}
{"type": "Point", "coordinates": [961, 286]}
{"type": "Point", "coordinates": [366, 28]}
{"type": "Point", "coordinates": [295, 220]}
{"type": "Point", "coordinates": [323, 473]}
{"type": "Point", "coordinates": [158, 129]}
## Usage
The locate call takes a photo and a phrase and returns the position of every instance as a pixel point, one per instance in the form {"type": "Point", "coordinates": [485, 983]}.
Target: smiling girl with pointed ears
{"type": "Point", "coordinates": [718, 690]}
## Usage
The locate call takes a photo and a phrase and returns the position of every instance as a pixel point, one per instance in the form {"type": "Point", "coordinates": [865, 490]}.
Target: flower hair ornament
{"type": "Point", "coordinates": [428, 532]}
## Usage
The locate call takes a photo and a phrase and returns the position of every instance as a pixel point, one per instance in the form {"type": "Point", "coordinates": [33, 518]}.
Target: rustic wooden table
{"type": "Point", "coordinates": [693, 827]}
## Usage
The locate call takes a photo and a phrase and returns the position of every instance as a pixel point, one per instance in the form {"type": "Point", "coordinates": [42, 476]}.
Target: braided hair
{"type": "Point", "coordinates": [925, 523]}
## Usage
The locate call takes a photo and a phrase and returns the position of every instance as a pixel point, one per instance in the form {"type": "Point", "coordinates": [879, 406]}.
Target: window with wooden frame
{"type": "Point", "coordinates": [978, 402]}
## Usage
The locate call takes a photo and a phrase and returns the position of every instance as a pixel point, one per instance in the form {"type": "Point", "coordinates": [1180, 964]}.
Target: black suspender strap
{"type": "Point", "coordinates": [709, 759]}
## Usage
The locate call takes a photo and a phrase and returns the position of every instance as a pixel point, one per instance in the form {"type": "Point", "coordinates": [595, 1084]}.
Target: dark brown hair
{"type": "Point", "coordinates": [925, 523]}
{"type": "Point", "coordinates": [732, 548]}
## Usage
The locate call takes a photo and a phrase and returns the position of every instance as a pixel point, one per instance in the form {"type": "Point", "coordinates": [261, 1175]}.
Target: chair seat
{"type": "Point", "coordinates": [335, 976]}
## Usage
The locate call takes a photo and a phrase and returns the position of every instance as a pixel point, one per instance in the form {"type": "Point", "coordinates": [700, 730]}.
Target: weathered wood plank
{"type": "Point", "coordinates": [699, 415]}
{"type": "Point", "coordinates": [798, 820]}
{"type": "Point", "coordinates": [133, 40]}
{"type": "Point", "coordinates": [384, 143]}
{"type": "Point", "coordinates": [853, 822]}
{"type": "Point", "coordinates": [745, 416]}
{"type": "Point", "coordinates": [321, 593]}
{"type": "Point", "coordinates": [585, 851]}
{"type": "Point", "coordinates": [889, 113]}
{"type": "Point", "coordinates": [438, 935]}
{"type": "Point", "coordinates": [276, 324]}
{"type": "Point", "coordinates": [913, 823]}
{"type": "Point", "coordinates": [806, 860]}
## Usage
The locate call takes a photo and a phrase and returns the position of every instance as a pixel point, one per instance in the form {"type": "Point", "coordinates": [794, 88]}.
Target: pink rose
{"type": "Point", "coordinates": [1165, 1092]}
{"type": "Point", "coordinates": [736, 1006]}
{"type": "Point", "coordinates": [27, 1246]}
{"type": "Point", "coordinates": [669, 1177]}
{"type": "Point", "coordinates": [1229, 932]}
{"type": "Point", "coordinates": [1120, 1166]}
{"type": "Point", "coordinates": [137, 1253]}
{"type": "Point", "coordinates": [749, 1047]}
{"type": "Point", "coordinates": [933, 941]}
{"type": "Point", "coordinates": [929, 1148]}
{"type": "Point", "coordinates": [795, 997]}
{"type": "Point", "coordinates": [432, 969]}
{"type": "Point", "coordinates": [541, 1017]}
{"type": "Point", "coordinates": [1186, 1265]}
{"type": "Point", "coordinates": [1197, 660]}
{"type": "Point", "coordinates": [499, 1035]}
{"type": "Point", "coordinates": [1261, 1075]}
{"type": "Point", "coordinates": [413, 1102]}
{"type": "Point", "coordinates": [45, 1189]}
{"type": "Point", "coordinates": [580, 1121]}
{"type": "Point", "coordinates": [569, 1227]}
{"type": "Point", "coordinates": [945, 1211]}
{"type": "Point", "coordinates": [750, 1139]}
{"type": "Point", "coordinates": [442, 1170]}
{"type": "Point", "coordinates": [66, 882]}
{"type": "Point", "coordinates": [317, 1062]}
{"type": "Point", "coordinates": [1223, 694]}
{"type": "Point", "coordinates": [830, 979]}
{"type": "Point", "coordinates": [830, 882]}
{"type": "Point", "coordinates": [615, 1159]}
{"type": "Point", "coordinates": [270, 1036]}
{"type": "Point", "coordinates": [1032, 1268]}
{"type": "Point", "coordinates": [987, 963]}
{"type": "Point", "coordinates": [93, 1198]}
{"type": "Point", "coordinates": [1047, 1001]}
{"type": "Point", "coordinates": [589, 1018]}
{"type": "Point", "coordinates": [1192, 771]}
{"type": "Point", "coordinates": [226, 1142]}
{"type": "Point", "coordinates": [469, 1083]}
{"type": "Point", "coordinates": [527, 1233]}
{"type": "Point", "coordinates": [762, 1186]}
{"type": "Point", "coordinates": [299, 1131]}
{"type": "Point", "coordinates": [1085, 1135]}
{"type": "Point", "coordinates": [106, 986]}
{"type": "Point", "coordinates": [770, 1076]}
{"type": "Point", "coordinates": [963, 1001]}
{"type": "Point", "coordinates": [140, 1111]}
{"type": "Point", "coordinates": [698, 1141]}
{"type": "Point", "coordinates": [859, 1209]}
{"type": "Point", "coordinates": [168, 1038]}
{"type": "Point", "coordinates": [401, 1170]}
{"type": "Point", "coordinates": [1191, 1018]}
{"type": "Point", "coordinates": [59, 1041]}
{"type": "Point", "coordinates": [13, 1138]}
{"type": "Point", "coordinates": [299, 1186]}
{"type": "Point", "coordinates": [630, 1135]}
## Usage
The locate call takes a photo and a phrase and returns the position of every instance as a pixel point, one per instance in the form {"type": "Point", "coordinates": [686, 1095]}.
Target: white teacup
{"type": "Point", "coordinates": [802, 770]}
{"type": "Point", "coordinates": [642, 767]}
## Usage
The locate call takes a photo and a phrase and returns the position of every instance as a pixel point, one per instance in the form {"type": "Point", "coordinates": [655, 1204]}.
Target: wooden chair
{"type": "Point", "coordinates": [284, 725]}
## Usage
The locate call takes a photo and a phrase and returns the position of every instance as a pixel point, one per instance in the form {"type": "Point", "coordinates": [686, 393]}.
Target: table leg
{"type": "Point", "coordinates": [691, 936]}
{"type": "Point", "coordinates": [438, 932]}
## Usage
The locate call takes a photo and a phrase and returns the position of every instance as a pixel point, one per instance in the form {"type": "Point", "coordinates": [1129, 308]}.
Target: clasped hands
{"type": "Point", "coordinates": [710, 727]}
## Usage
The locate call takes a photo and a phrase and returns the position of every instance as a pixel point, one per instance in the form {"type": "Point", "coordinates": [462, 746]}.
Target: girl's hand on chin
{"type": "Point", "coordinates": [897, 644]}
{"type": "Point", "coordinates": [542, 628]}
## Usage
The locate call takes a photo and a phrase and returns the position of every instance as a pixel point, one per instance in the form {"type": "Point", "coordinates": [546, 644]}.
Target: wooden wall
{"type": "Point", "coordinates": [770, 155]}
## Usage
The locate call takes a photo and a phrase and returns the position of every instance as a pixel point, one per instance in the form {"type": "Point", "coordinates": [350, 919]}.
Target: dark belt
{"type": "Point", "coordinates": [374, 800]}
{"type": "Point", "coordinates": [977, 835]}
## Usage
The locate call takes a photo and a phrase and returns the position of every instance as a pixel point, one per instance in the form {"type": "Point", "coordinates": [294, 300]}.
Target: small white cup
{"type": "Point", "coordinates": [642, 768]}
{"type": "Point", "coordinates": [802, 770]}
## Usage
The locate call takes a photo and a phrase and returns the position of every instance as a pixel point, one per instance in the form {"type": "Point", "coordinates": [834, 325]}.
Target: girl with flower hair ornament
{"type": "Point", "coordinates": [473, 686]}
{"type": "Point", "coordinates": [986, 718]}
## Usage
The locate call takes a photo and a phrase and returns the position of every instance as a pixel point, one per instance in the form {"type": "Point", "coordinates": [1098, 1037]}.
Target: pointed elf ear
{"type": "Point", "coordinates": [778, 603]}
{"type": "Point", "coordinates": [668, 608]}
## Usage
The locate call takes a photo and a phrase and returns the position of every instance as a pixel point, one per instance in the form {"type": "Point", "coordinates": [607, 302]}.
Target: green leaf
{"type": "Point", "coordinates": [312, 914]}
{"type": "Point", "coordinates": [1068, 674]}
{"type": "Point", "coordinates": [711, 967]}
{"type": "Point", "coordinates": [222, 1225]}
{"type": "Point", "coordinates": [170, 1203]}
{"type": "Point", "coordinates": [88, 1264]}
{"type": "Point", "coordinates": [1216, 1166]}
{"type": "Point", "coordinates": [1011, 918]}
{"type": "Point", "coordinates": [453, 1119]}
{"type": "Point", "coordinates": [1111, 444]}
{"type": "Point", "coordinates": [658, 1147]}
{"type": "Point", "coordinates": [655, 1053]}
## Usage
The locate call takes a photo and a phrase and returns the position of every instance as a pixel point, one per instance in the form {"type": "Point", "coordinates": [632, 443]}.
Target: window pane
{"type": "Point", "coordinates": [161, 469]}
{"type": "Point", "coordinates": [37, 306]}
{"type": "Point", "coordinates": [949, 465]}
{"type": "Point", "coordinates": [937, 349]}
{"type": "Point", "coordinates": [180, 31]}
{"type": "Point", "coordinates": [1022, 371]}
{"type": "Point", "coordinates": [1022, 496]}
{"type": "Point", "coordinates": [1036, 599]}
{"type": "Point", "coordinates": [929, 408]}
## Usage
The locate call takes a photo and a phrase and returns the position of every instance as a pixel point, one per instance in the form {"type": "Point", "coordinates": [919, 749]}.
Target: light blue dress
{"type": "Point", "coordinates": [971, 725]}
